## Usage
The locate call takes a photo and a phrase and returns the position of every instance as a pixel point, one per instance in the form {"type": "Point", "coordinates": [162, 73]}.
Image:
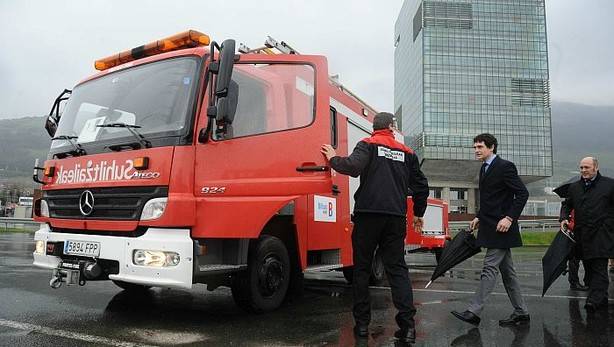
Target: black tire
{"type": "Point", "coordinates": [348, 273]}
{"type": "Point", "coordinates": [264, 285]}
{"type": "Point", "coordinates": [378, 272]}
{"type": "Point", "coordinates": [131, 287]}
{"type": "Point", "coordinates": [437, 252]}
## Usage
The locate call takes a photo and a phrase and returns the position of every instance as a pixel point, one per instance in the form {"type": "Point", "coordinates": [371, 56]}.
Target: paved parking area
{"type": "Point", "coordinates": [33, 314]}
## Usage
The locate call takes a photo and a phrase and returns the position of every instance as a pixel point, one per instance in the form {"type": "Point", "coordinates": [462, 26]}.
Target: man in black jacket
{"type": "Point", "coordinates": [592, 199]}
{"type": "Point", "coordinates": [388, 171]}
{"type": "Point", "coordinates": [502, 198]}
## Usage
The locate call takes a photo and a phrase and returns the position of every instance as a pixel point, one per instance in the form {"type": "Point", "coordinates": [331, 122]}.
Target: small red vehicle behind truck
{"type": "Point", "coordinates": [181, 162]}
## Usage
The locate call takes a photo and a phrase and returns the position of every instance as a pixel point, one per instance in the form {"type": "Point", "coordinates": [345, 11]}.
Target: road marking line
{"type": "Point", "coordinates": [493, 293]}
{"type": "Point", "coordinates": [432, 302]}
{"type": "Point", "coordinates": [68, 334]}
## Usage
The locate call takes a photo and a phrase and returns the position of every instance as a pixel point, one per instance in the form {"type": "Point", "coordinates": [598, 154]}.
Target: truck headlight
{"type": "Point", "coordinates": [146, 257]}
{"type": "Point", "coordinates": [44, 208]}
{"type": "Point", "coordinates": [40, 247]}
{"type": "Point", "coordinates": [154, 209]}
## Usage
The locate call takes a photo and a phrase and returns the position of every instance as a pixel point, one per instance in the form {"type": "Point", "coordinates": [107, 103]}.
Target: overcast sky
{"type": "Point", "coordinates": [51, 45]}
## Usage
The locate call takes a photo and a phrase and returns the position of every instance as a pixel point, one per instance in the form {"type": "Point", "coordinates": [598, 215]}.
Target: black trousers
{"type": "Point", "coordinates": [598, 280]}
{"type": "Point", "coordinates": [388, 232]}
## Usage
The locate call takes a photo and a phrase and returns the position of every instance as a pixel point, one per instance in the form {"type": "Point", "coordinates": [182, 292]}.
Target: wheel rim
{"type": "Point", "coordinates": [270, 276]}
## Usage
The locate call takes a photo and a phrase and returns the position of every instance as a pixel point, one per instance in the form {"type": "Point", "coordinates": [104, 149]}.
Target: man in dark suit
{"type": "Point", "coordinates": [502, 198]}
{"type": "Point", "coordinates": [592, 200]}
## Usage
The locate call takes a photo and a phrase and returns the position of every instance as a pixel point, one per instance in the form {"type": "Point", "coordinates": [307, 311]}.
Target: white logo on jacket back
{"type": "Point", "coordinates": [390, 154]}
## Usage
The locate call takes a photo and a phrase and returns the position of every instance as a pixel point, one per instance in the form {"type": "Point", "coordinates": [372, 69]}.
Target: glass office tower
{"type": "Point", "coordinates": [463, 67]}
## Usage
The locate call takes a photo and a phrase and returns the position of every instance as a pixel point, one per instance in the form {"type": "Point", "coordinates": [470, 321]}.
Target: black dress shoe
{"type": "Point", "coordinates": [361, 331]}
{"type": "Point", "coordinates": [406, 335]}
{"type": "Point", "coordinates": [578, 286]}
{"type": "Point", "coordinates": [515, 319]}
{"type": "Point", "coordinates": [468, 317]}
{"type": "Point", "coordinates": [592, 307]}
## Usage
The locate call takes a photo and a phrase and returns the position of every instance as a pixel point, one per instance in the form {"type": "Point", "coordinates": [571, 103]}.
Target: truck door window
{"type": "Point", "coordinates": [333, 127]}
{"type": "Point", "coordinates": [272, 97]}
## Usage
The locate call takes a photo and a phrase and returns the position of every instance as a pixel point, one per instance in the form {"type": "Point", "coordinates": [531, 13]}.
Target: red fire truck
{"type": "Point", "coordinates": [182, 162]}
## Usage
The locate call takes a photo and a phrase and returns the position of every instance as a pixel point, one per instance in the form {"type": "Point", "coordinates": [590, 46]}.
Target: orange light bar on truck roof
{"type": "Point", "coordinates": [186, 39]}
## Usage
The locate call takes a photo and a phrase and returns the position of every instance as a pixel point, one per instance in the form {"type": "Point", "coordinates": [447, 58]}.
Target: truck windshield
{"type": "Point", "coordinates": [154, 97]}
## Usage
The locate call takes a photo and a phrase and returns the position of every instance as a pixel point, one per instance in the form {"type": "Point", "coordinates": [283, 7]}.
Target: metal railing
{"type": "Point", "coordinates": [18, 223]}
{"type": "Point", "coordinates": [524, 224]}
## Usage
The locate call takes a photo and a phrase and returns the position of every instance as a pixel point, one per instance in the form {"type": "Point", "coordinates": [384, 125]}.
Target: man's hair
{"type": "Point", "coordinates": [595, 161]}
{"type": "Point", "coordinates": [383, 120]}
{"type": "Point", "coordinates": [489, 140]}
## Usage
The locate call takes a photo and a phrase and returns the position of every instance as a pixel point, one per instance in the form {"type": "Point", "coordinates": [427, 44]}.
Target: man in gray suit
{"type": "Point", "coordinates": [502, 198]}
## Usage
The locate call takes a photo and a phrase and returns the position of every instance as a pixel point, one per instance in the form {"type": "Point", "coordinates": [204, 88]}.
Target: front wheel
{"type": "Point", "coordinates": [263, 286]}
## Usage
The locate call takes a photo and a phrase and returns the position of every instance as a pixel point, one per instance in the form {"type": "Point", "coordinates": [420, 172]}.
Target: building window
{"type": "Point", "coordinates": [458, 200]}
{"type": "Point", "coordinates": [417, 22]}
{"type": "Point", "coordinates": [448, 15]}
{"type": "Point", "coordinates": [435, 193]}
{"type": "Point", "coordinates": [458, 194]}
{"type": "Point", "coordinates": [530, 92]}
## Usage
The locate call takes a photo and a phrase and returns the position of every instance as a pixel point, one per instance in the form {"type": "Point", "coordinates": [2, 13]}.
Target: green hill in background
{"type": "Point", "coordinates": [581, 130]}
{"type": "Point", "coordinates": [578, 130]}
{"type": "Point", "coordinates": [22, 140]}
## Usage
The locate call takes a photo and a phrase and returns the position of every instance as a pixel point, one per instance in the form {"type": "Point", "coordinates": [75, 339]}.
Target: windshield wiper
{"type": "Point", "coordinates": [131, 128]}
{"type": "Point", "coordinates": [71, 139]}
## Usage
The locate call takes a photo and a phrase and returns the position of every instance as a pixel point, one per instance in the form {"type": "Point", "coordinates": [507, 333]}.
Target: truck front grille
{"type": "Point", "coordinates": [116, 203]}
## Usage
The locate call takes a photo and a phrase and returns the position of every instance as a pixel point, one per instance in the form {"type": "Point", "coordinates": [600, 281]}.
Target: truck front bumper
{"type": "Point", "coordinates": [121, 249]}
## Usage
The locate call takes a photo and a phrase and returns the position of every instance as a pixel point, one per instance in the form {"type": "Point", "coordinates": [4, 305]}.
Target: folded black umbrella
{"type": "Point", "coordinates": [564, 187]}
{"type": "Point", "coordinates": [554, 261]}
{"type": "Point", "coordinates": [462, 247]}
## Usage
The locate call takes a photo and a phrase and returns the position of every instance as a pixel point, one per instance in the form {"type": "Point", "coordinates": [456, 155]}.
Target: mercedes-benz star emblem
{"type": "Point", "coordinates": [86, 203]}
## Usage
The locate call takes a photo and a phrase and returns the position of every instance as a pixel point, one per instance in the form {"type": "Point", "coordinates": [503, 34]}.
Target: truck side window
{"type": "Point", "coordinates": [272, 97]}
{"type": "Point", "coordinates": [334, 137]}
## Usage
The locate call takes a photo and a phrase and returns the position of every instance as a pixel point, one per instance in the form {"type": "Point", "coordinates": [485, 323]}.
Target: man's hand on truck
{"type": "Point", "coordinates": [418, 224]}
{"type": "Point", "coordinates": [328, 151]}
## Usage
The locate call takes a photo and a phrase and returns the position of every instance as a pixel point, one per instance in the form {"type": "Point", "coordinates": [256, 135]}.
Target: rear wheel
{"type": "Point", "coordinates": [131, 287]}
{"type": "Point", "coordinates": [378, 271]}
{"type": "Point", "coordinates": [437, 252]}
{"type": "Point", "coordinates": [263, 286]}
{"type": "Point", "coordinates": [348, 274]}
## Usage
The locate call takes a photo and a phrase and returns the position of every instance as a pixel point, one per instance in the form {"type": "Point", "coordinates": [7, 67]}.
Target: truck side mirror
{"type": "Point", "coordinates": [227, 106]}
{"type": "Point", "coordinates": [51, 124]}
{"type": "Point", "coordinates": [226, 63]}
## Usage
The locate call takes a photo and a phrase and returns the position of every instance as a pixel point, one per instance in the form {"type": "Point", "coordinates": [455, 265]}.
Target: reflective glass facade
{"type": "Point", "coordinates": [463, 67]}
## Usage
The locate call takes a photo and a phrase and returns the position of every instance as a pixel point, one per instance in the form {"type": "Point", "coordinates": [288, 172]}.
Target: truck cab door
{"type": "Point", "coordinates": [270, 154]}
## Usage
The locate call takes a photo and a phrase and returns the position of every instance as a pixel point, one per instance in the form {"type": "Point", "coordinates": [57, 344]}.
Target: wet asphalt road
{"type": "Point", "coordinates": [33, 314]}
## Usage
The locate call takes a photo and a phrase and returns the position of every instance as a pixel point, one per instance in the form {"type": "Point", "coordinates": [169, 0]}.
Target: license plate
{"type": "Point", "coordinates": [83, 248]}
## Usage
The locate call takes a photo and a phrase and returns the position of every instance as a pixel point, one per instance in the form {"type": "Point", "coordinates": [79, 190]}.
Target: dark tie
{"type": "Point", "coordinates": [484, 166]}
{"type": "Point", "coordinates": [587, 184]}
